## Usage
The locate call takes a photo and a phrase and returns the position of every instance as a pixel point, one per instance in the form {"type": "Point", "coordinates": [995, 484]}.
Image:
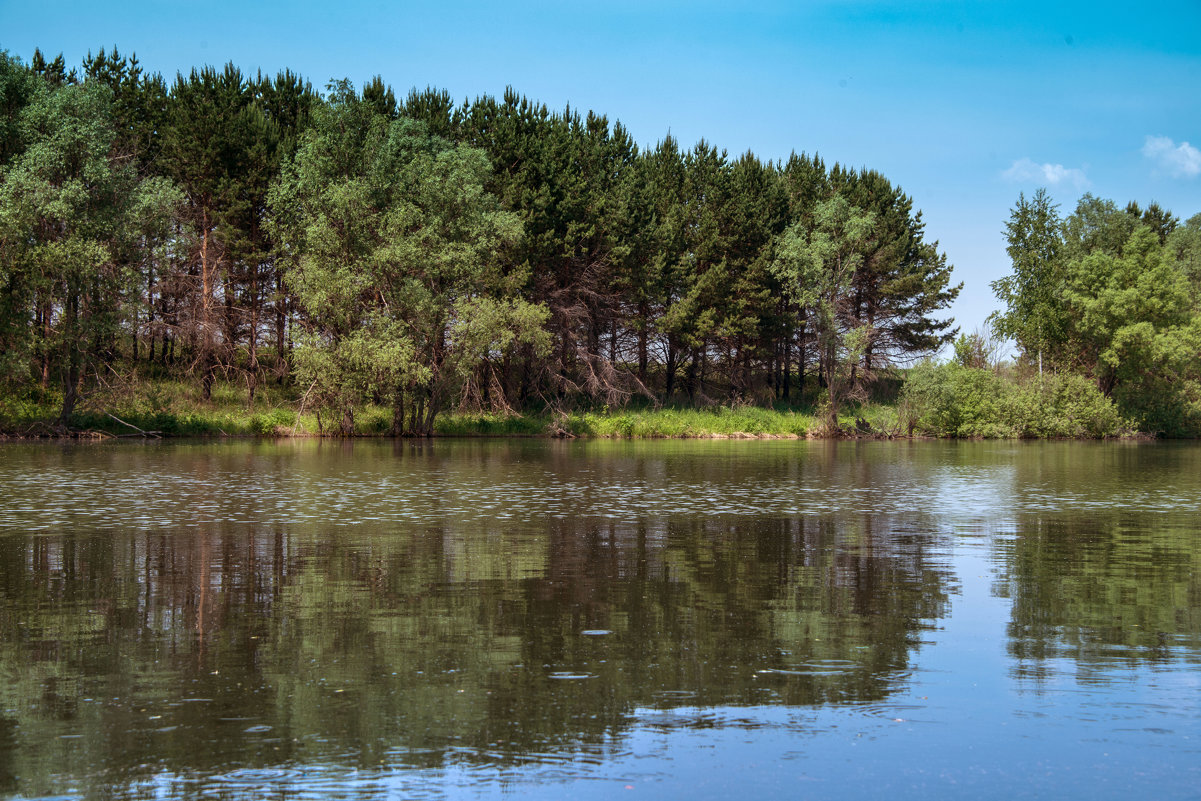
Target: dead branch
{"type": "Point", "coordinates": [141, 432]}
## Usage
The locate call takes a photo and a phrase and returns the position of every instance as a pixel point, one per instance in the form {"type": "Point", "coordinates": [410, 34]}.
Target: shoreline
{"type": "Point", "coordinates": [166, 411]}
{"type": "Point", "coordinates": [98, 436]}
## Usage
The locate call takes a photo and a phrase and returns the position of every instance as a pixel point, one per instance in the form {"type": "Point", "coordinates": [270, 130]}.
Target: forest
{"type": "Point", "coordinates": [1104, 305]}
{"type": "Point", "coordinates": [426, 254]}
{"type": "Point", "coordinates": [359, 250]}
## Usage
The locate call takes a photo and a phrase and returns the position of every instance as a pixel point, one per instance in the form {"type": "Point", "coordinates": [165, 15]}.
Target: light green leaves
{"type": "Point", "coordinates": [817, 266]}
{"type": "Point", "coordinates": [1032, 293]}
{"type": "Point", "coordinates": [69, 213]}
{"type": "Point", "coordinates": [393, 239]}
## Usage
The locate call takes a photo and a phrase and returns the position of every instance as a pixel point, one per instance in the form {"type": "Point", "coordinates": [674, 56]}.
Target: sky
{"type": "Point", "coordinates": [962, 104]}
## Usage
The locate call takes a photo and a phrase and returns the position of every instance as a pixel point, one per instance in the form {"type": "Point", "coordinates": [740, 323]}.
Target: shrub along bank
{"type": "Point", "coordinates": [937, 400]}
{"type": "Point", "coordinates": [169, 409]}
{"type": "Point", "coordinates": [951, 400]}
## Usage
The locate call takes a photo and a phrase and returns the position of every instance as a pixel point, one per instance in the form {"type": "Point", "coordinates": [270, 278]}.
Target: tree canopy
{"type": "Point", "coordinates": [1110, 294]}
{"type": "Point", "coordinates": [426, 254]}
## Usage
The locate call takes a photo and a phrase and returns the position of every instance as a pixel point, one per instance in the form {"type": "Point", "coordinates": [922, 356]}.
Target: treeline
{"type": "Point", "coordinates": [1104, 305]}
{"type": "Point", "coordinates": [425, 254]}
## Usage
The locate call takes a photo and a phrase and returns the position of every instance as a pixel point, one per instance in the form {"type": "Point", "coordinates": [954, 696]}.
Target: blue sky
{"type": "Point", "coordinates": [962, 104]}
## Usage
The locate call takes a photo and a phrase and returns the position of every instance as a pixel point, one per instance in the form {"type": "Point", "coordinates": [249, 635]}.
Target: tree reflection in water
{"type": "Point", "coordinates": [201, 617]}
{"type": "Point", "coordinates": [196, 651]}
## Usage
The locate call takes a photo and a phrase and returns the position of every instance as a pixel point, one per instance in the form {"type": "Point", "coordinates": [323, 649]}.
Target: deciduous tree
{"type": "Point", "coordinates": [393, 237]}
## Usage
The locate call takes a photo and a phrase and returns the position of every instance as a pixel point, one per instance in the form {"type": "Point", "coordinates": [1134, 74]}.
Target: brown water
{"type": "Point", "coordinates": [659, 619]}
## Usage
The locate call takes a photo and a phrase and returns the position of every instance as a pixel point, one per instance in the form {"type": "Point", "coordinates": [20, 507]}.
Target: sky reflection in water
{"type": "Point", "coordinates": [462, 619]}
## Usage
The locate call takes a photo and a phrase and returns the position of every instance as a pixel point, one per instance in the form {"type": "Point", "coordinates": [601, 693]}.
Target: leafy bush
{"type": "Point", "coordinates": [1163, 407]}
{"type": "Point", "coordinates": [483, 424]}
{"type": "Point", "coordinates": [270, 423]}
{"type": "Point", "coordinates": [1063, 405]}
{"type": "Point", "coordinates": [686, 422]}
{"type": "Point", "coordinates": [951, 400]}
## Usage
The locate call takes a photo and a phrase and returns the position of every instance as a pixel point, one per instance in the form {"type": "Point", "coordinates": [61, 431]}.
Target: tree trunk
{"type": "Point", "coordinates": [281, 309]}
{"type": "Point", "coordinates": [208, 376]}
{"type": "Point", "coordinates": [670, 371]}
{"type": "Point", "coordinates": [690, 375]}
{"type": "Point", "coordinates": [786, 378]}
{"type": "Point", "coordinates": [45, 326]}
{"type": "Point", "coordinates": [800, 362]}
{"type": "Point", "coordinates": [833, 389]}
{"type": "Point", "coordinates": [150, 313]}
{"type": "Point", "coordinates": [418, 416]}
{"type": "Point", "coordinates": [398, 412]}
{"type": "Point", "coordinates": [643, 314]}
{"type": "Point", "coordinates": [253, 341]}
{"type": "Point", "coordinates": [71, 376]}
{"type": "Point", "coordinates": [204, 305]}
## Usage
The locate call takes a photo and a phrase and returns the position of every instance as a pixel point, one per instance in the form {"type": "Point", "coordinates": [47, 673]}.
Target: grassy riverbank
{"type": "Point", "coordinates": [946, 400]}
{"type": "Point", "coordinates": [176, 409]}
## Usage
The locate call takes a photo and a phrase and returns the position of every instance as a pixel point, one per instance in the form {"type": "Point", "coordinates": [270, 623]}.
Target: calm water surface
{"type": "Point", "coordinates": [377, 620]}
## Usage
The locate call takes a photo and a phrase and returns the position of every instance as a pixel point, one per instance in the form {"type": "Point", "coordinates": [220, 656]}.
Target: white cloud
{"type": "Point", "coordinates": [1181, 161]}
{"type": "Point", "coordinates": [1025, 170]}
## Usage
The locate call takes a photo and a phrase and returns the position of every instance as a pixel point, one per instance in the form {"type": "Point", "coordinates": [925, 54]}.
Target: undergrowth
{"type": "Point", "coordinates": [946, 400]}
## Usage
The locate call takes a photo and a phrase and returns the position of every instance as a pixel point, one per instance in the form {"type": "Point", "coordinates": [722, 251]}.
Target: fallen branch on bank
{"type": "Point", "coordinates": [141, 432]}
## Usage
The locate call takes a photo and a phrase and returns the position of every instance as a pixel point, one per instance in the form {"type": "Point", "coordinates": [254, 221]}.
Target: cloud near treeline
{"type": "Point", "coordinates": [1025, 169]}
{"type": "Point", "coordinates": [1178, 160]}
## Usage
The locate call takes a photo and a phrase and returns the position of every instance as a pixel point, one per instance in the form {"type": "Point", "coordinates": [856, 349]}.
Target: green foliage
{"type": "Point", "coordinates": [1110, 295]}
{"type": "Point", "coordinates": [489, 424]}
{"type": "Point", "coordinates": [1163, 391]}
{"type": "Point", "coordinates": [688, 422]}
{"type": "Point", "coordinates": [970, 352]}
{"type": "Point", "coordinates": [1032, 293]}
{"type": "Point", "coordinates": [493, 255]}
{"type": "Point", "coordinates": [1096, 226]}
{"type": "Point", "coordinates": [1184, 247]}
{"type": "Point", "coordinates": [903, 281]}
{"type": "Point", "coordinates": [817, 267]}
{"type": "Point", "coordinates": [1063, 405]}
{"type": "Point", "coordinates": [498, 256]}
{"type": "Point", "coordinates": [951, 400]}
{"type": "Point", "coordinates": [17, 87]}
{"type": "Point", "coordinates": [1135, 325]}
{"type": "Point", "coordinates": [21, 412]}
{"type": "Point", "coordinates": [71, 213]}
{"type": "Point", "coordinates": [273, 422]}
{"type": "Point", "coordinates": [1127, 310]}
{"type": "Point", "coordinates": [391, 232]}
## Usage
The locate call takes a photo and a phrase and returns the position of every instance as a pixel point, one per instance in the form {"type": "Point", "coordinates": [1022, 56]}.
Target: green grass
{"type": "Point", "coordinates": [167, 407]}
{"type": "Point", "coordinates": [686, 422]}
{"type": "Point", "coordinates": [488, 424]}
{"type": "Point", "coordinates": [175, 408]}
{"type": "Point", "coordinates": [666, 422]}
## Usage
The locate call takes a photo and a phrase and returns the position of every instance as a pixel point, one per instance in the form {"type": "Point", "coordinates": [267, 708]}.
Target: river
{"type": "Point", "coordinates": [662, 619]}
